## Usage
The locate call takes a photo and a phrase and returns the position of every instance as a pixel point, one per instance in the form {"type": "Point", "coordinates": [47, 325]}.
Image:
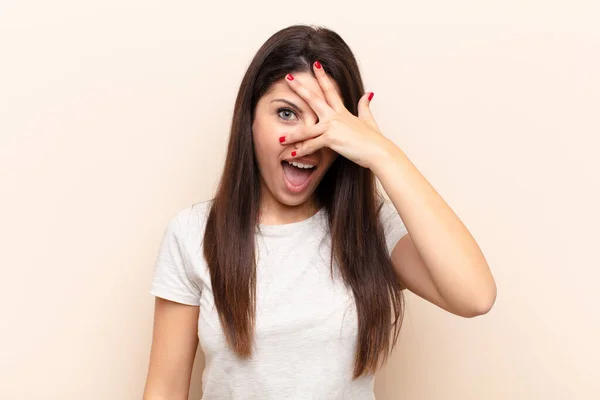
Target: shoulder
{"type": "Point", "coordinates": [182, 242]}
{"type": "Point", "coordinates": [180, 272]}
{"type": "Point", "coordinates": [387, 211]}
{"type": "Point", "coordinates": [393, 225]}
{"type": "Point", "coordinates": [191, 220]}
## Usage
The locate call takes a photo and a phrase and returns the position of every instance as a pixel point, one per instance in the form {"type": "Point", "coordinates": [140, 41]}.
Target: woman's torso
{"type": "Point", "coordinates": [306, 322]}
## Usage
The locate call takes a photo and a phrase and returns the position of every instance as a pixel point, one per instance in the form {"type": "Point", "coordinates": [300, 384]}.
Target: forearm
{"type": "Point", "coordinates": [454, 260]}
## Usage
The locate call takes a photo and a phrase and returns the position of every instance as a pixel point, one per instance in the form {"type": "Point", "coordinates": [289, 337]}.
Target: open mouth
{"type": "Point", "coordinates": [297, 176]}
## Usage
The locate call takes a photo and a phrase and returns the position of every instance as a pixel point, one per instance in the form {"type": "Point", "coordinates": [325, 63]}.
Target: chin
{"type": "Point", "coordinates": [293, 200]}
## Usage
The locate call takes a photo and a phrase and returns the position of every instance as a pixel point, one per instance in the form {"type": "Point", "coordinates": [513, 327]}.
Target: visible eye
{"type": "Point", "coordinates": [284, 113]}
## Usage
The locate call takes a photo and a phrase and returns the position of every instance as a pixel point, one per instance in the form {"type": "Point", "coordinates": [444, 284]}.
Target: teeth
{"type": "Point", "coordinates": [299, 165]}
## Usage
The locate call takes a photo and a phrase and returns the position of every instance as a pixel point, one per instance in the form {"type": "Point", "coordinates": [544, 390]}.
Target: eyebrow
{"type": "Point", "coordinates": [288, 103]}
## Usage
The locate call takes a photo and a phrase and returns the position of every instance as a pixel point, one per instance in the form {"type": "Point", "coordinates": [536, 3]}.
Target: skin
{"type": "Point", "coordinates": [438, 259]}
{"type": "Point", "coordinates": [278, 204]}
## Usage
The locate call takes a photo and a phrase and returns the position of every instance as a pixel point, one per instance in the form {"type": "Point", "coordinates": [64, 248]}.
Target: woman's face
{"type": "Point", "coordinates": [278, 113]}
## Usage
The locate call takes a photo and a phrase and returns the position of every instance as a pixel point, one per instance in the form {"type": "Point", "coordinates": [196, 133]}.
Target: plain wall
{"type": "Point", "coordinates": [115, 114]}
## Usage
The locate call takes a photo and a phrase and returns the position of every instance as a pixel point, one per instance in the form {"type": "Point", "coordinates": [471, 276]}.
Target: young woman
{"type": "Point", "coordinates": [292, 276]}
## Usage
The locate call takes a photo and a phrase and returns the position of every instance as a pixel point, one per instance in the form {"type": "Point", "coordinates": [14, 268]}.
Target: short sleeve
{"type": "Point", "coordinates": [173, 280]}
{"type": "Point", "coordinates": [393, 226]}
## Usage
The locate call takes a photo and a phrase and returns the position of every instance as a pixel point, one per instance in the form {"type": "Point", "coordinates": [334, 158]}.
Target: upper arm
{"type": "Point", "coordinates": [413, 273]}
{"type": "Point", "coordinates": [408, 263]}
{"type": "Point", "coordinates": [174, 344]}
{"type": "Point", "coordinates": [178, 290]}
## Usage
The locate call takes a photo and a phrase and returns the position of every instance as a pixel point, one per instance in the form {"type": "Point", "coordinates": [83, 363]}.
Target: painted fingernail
{"type": "Point", "coordinates": [282, 139]}
{"type": "Point", "coordinates": [290, 77]}
{"type": "Point", "coordinates": [371, 96]}
{"type": "Point", "coordinates": [318, 65]}
{"type": "Point", "coordinates": [293, 154]}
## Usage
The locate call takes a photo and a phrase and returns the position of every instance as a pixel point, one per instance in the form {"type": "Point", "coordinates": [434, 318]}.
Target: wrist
{"type": "Point", "coordinates": [386, 158]}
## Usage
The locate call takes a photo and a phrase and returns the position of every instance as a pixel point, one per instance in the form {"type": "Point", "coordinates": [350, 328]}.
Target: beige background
{"type": "Point", "coordinates": [114, 115]}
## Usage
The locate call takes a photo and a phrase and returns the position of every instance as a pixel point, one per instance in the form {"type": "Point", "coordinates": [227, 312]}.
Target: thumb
{"type": "Point", "coordinates": [364, 111]}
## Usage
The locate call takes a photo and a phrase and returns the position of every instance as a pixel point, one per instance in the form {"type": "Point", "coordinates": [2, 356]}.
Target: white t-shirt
{"type": "Point", "coordinates": [306, 322]}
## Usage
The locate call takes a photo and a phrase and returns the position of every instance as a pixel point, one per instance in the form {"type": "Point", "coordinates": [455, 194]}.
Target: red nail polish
{"type": "Point", "coordinates": [318, 65]}
{"type": "Point", "coordinates": [290, 77]}
{"type": "Point", "coordinates": [371, 96]}
{"type": "Point", "coordinates": [282, 139]}
{"type": "Point", "coordinates": [293, 154]}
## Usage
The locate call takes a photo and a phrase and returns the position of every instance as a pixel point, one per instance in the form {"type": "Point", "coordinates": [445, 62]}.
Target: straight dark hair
{"type": "Point", "coordinates": [348, 192]}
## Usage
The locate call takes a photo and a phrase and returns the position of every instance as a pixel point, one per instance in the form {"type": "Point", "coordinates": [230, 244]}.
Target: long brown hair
{"type": "Point", "coordinates": [348, 192]}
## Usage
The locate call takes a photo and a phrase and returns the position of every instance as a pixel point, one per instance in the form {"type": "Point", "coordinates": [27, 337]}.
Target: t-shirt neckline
{"type": "Point", "coordinates": [274, 230]}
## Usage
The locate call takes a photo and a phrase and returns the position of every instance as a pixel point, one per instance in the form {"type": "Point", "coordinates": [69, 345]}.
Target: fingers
{"type": "Point", "coordinates": [364, 110]}
{"type": "Point", "coordinates": [310, 146]}
{"type": "Point", "coordinates": [304, 134]}
{"type": "Point", "coordinates": [328, 87]}
{"type": "Point", "coordinates": [320, 106]}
